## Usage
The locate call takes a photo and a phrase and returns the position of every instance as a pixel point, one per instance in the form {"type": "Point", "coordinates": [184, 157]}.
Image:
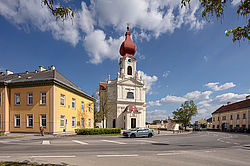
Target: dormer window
{"type": "Point", "coordinates": [130, 95]}
{"type": "Point", "coordinates": [129, 70]}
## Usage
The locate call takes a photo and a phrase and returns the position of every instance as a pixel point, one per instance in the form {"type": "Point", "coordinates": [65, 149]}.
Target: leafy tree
{"type": "Point", "coordinates": [60, 11]}
{"type": "Point", "coordinates": [216, 7]}
{"type": "Point", "coordinates": [185, 113]}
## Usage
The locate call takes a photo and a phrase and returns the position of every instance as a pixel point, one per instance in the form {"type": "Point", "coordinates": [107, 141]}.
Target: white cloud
{"type": "Point", "coordinates": [173, 100]}
{"type": "Point", "coordinates": [154, 103]}
{"type": "Point", "coordinates": [197, 95]}
{"type": "Point", "coordinates": [214, 86]}
{"type": "Point", "coordinates": [235, 2]}
{"type": "Point", "coordinates": [228, 97]}
{"type": "Point", "coordinates": [165, 74]}
{"type": "Point", "coordinates": [157, 115]}
{"type": "Point", "coordinates": [205, 58]}
{"type": "Point", "coordinates": [149, 81]}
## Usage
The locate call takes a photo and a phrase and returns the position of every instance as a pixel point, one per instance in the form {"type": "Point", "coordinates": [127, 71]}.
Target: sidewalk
{"type": "Point", "coordinates": [165, 132]}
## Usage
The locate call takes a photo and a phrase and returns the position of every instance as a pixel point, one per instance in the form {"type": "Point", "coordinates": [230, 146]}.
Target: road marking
{"type": "Point", "coordinates": [52, 156]}
{"type": "Point", "coordinates": [166, 154]}
{"type": "Point", "coordinates": [116, 142]}
{"type": "Point", "coordinates": [80, 142]}
{"type": "Point", "coordinates": [228, 142]}
{"type": "Point", "coordinates": [148, 141]}
{"type": "Point", "coordinates": [4, 156]}
{"type": "Point", "coordinates": [236, 143]}
{"type": "Point", "coordinates": [46, 142]}
{"type": "Point", "coordinates": [119, 155]}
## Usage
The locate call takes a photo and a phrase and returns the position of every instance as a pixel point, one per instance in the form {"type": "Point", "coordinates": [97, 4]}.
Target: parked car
{"type": "Point", "coordinates": [139, 132]}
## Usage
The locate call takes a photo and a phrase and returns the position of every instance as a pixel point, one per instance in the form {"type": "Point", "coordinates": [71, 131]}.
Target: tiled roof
{"type": "Point", "coordinates": [234, 106]}
{"type": "Point", "coordinates": [103, 85]}
{"type": "Point", "coordinates": [39, 76]}
{"type": "Point", "coordinates": [131, 108]}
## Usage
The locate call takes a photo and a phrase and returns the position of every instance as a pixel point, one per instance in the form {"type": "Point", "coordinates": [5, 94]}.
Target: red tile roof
{"type": "Point", "coordinates": [233, 106]}
{"type": "Point", "coordinates": [131, 108]}
{"type": "Point", "coordinates": [103, 85]}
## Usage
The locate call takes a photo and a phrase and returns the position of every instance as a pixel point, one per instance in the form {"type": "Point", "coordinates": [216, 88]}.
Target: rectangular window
{"type": "Point", "coordinates": [73, 121]}
{"type": "Point", "coordinates": [238, 116]}
{"type": "Point", "coordinates": [82, 106]}
{"type": "Point", "coordinates": [30, 98]}
{"type": "Point", "coordinates": [62, 100]}
{"type": "Point", "coordinates": [29, 120]}
{"type": "Point", "coordinates": [231, 117]}
{"type": "Point", "coordinates": [43, 98]}
{"type": "Point", "coordinates": [89, 107]}
{"type": "Point", "coordinates": [43, 120]}
{"type": "Point", "coordinates": [17, 120]}
{"type": "Point", "coordinates": [82, 122]}
{"type": "Point", "coordinates": [73, 103]}
{"type": "Point", "coordinates": [244, 116]}
{"type": "Point", "coordinates": [62, 121]}
{"type": "Point", "coordinates": [224, 118]}
{"type": "Point", "coordinates": [17, 99]}
{"type": "Point", "coordinates": [217, 126]}
{"type": "Point", "coordinates": [130, 95]}
{"type": "Point", "coordinates": [218, 118]}
{"type": "Point", "coordinates": [0, 99]}
{"type": "Point", "coordinates": [89, 122]}
{"type": "Point", "coordinates": [214, 119]}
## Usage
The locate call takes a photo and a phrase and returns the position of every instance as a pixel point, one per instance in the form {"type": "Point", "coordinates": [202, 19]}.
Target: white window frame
{"type": "Point", "coordinates": [17, 118]}
{"type": "Point", "coordinates": [41, 120]}
{"type": "Point", "coordinates": [17, 94]}
{"type": "Point", "coordinates": [43, 95]}
{"type": "Point", "coordinates": [82, 106]}
{"type": "Point", "coordinates": [89, 122]}
{"type": "Point", "coordinates": [62, 118]}
{"type": "Point", "coordinates": [62, 98]}
{"type": "Point", "coordinates": [73, 122]}
{"type": "Point", "coordinates": [89, 107]}
{"type": "Point", "coordinates": [30, 95]}
{"type": "Point", "coordinates": [30, 117]}
{"type": "Point", "coordinates": [73, 103]}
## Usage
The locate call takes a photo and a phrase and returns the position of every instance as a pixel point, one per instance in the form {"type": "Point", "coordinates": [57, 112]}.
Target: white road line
{"type": "Point", "coordinates": [46, 142]}
{"type": "Point", "coordinates": [236, 143]}
{"type": "Point", "coordinates": [119, 155]}
{"type": "Point", "coordinates": [116, 142]}
{"type": "Point", "coordinates": [167, 154]}
{"type": "Point", "coordinates": [4, 156]}
{"type": "Point", "coordinates": [80, 142]}
{"type": "Point", "coordinates": [228, 142]}
{"type": "Point", "coordinates": [52, 156]}
{"type": "Point", "coordinates": [148, 141]}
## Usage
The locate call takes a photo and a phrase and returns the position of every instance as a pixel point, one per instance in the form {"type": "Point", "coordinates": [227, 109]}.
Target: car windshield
{"type": "Point", "coordinates": [134, 129]}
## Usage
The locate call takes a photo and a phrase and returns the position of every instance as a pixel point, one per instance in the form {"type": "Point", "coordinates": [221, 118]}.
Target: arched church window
{"type": "Point", "coordinates": [129, 70]}
{"type": "Point", "coordinates": [130, 95]}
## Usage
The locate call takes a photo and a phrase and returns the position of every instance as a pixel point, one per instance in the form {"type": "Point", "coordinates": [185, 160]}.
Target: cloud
{"type": "Point", "coordinates": [165, 74]}
{"type": "Point", "coordinates": [157, 115]}
{"type": "Point", "coordinates": [154, 103]}
{"type": "Point", "coordinates": [205, 58]}
{"type": "Point", "coordinates": [229, 97]}
{"type": "Point", "coordinates": [149, 81]}
{"type": "Point", "coordinates": [197, 95]}
{"type": "Point", "coordinates": [214, 86]}
{"type": "Point", "coordinates": [173, 100]}
{"type": "Point", "coordinates": [235, 2]}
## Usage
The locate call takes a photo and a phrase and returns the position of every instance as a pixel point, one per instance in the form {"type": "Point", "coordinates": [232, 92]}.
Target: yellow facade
{"type": "Point", "coordinates": [32, 115]}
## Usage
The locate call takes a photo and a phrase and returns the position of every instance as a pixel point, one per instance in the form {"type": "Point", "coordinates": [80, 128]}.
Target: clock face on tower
{"type": "Point", "coordinates": [129, 60]}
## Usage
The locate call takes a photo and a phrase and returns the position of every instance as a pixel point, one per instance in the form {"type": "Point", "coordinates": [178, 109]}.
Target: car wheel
{"type": "Point", "coordinates": [150, 135]}
{"type": "Point", "coordinates": [132, 136]}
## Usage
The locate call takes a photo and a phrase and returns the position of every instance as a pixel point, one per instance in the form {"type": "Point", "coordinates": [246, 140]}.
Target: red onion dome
{"type": "Point", "coordinates": [128, 47]}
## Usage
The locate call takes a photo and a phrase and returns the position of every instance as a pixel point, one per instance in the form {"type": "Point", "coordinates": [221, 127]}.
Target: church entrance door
{"type": "Point", "coordinates": [133, 122]}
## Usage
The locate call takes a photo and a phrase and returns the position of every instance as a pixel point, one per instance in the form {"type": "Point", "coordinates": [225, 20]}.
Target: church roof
{"type": "Point", "coordinates": [128, 47]}
{"type": "Point", "coordinates": [131, 108]}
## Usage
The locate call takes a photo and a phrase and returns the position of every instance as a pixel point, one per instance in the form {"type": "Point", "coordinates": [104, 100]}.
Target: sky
{"type": "Point", "coordinates": [180, 55]}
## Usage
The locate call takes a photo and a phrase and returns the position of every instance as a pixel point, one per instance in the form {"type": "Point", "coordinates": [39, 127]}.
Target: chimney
{"type": "Point", "coordinates": [8, 72]}
{"type": "Point", "coordinates": [1, 74]}
{"type": "Point", "coordinates": [27, 72]}
{"type": "Point", "coordinates": [248, 97]}
{"type": "Point", "coordinates": [41, 68]}
{"type": "Point", "coordinates": [228, 103]}
{"type": "Point", "coordinates": [36, 71]}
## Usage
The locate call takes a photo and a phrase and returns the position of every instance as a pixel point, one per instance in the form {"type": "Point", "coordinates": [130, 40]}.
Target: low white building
{"type": "Point", "coordinates": [124, 97]}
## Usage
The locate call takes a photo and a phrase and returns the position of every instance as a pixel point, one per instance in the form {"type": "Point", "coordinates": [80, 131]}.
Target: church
{"type": "Point", "coordinates": [123, 99]}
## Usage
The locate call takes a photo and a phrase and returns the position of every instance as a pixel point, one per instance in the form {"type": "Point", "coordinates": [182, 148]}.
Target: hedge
{"type": "Point", "coordinates": [98, 131]}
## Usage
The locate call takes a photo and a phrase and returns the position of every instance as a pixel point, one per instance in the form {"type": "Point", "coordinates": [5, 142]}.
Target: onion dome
{"type": "Point", "coordinates": [128, 47]}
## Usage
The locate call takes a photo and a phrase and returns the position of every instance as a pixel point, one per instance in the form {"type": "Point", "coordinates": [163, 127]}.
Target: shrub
{"type": "Point", "coordinates": [98, 131]}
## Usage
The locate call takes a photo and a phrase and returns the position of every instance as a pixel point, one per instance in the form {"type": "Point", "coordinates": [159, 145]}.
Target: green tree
{"type": "Point", "coordinates": [58, 11]}
{"type": "Point", "coordinates": [185, 113]}
{"type": "Point", "coordinates": [216, 7]}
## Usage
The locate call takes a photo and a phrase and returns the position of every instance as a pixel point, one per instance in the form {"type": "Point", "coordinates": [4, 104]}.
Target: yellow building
{"type": "Point", "coordinates": [43, 98]}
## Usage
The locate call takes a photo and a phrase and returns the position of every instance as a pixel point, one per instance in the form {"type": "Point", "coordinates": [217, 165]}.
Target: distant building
{"type": "Point", "coordinates": [43, 98]}
{"type": "Point", "coordinates": [124, 97]}
{"type": "Point", "coordinates": [233, 116]}
{"type": "Point", "coordinates": [209, 123]}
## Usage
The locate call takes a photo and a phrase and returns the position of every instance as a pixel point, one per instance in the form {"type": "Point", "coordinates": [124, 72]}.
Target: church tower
{"type": "Point", "coordinates": [124, 96]}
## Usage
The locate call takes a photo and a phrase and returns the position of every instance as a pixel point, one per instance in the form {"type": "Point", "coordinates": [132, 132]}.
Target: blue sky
{"type": "Point", "coordinates": [180, 55]}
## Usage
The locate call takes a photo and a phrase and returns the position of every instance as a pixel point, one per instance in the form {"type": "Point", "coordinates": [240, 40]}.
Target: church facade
{"type": "Point", "coordinates": [123, 99]}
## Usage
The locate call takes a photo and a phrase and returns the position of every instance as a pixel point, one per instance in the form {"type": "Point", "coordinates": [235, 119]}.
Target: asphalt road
{"type": "Point", "coordinates": [198, 148]}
